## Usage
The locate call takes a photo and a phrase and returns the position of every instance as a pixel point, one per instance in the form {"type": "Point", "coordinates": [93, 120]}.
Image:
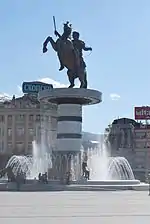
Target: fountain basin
{"type": "Point", "coordinates": [108, 182]}
{"type": "Point", "coordinates": [54, 185]}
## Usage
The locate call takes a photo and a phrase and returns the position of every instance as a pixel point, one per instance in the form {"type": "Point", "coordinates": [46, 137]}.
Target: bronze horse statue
{"type": "Point", "coordinates": [68, 56]}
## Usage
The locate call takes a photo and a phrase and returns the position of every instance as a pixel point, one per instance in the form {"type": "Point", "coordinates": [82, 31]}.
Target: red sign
{"type": "Point", "coordinates": [142, 113]}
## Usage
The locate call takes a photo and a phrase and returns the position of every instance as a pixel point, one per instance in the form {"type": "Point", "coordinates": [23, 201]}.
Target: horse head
{"type": "Point", "coordinates": [67, 29]}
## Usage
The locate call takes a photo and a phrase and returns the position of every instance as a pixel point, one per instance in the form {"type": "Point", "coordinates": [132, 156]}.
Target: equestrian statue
{"type": "Point", "coordinates": [69, 52]}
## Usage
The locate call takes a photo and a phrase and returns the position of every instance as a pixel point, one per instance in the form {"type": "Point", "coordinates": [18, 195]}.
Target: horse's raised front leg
{"type": "Point", "coordinates": [45, 45]}
{"type": "Point", "coordinates": [49, 39]}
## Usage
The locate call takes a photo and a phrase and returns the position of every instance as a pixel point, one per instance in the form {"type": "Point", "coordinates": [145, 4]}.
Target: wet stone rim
{"type": "Point", "coordinates": [71, 96]}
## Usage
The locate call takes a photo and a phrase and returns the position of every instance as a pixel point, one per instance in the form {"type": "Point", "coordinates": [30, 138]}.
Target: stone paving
{"type": "Point", "coordinates": [75, 207]}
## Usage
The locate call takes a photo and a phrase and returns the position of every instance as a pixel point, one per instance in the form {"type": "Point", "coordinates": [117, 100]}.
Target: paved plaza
{"type": "Point", "coordinates": [75, 207]}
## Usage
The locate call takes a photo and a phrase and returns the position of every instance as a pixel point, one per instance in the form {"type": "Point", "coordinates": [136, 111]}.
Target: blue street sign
{"type": "Point", "coordinates": [35, 87]}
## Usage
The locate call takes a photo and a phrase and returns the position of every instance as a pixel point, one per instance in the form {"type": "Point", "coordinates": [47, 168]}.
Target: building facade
{"type": "Point", "coordinates": [131, 140]}
{"type": "Point", "coordinates": [22, 120]}
{"type": "Point", "coordinates": [142, 149]}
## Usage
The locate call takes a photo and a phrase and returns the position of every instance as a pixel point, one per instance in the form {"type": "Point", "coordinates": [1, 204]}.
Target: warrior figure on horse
{"type": "Point", "coordinates": [70, 54]}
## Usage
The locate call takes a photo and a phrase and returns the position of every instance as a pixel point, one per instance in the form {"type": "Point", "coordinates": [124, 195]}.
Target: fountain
{"type": "Point", "coordinates": [39, 162]}
{"type": "Point", "coordinates": [104, 167]}
{"type": "Point", "coordinates": [105, 171]}
{"type": "Point", "coordinates": [20, 164]}
{"type": "Point", "coordinates": [41, 159]}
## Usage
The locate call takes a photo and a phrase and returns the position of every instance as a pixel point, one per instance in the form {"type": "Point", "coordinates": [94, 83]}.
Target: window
{"type": "Point", "coordinates": [140, 135]}
{"type": "Point", "coordinates": [30, 145]}
{"type": "Point", "coordinates": [9, 131]}
{"type": "Point", "coordinates": [31, 131]}
{"type": "Point", "coordinates": [9, 146]}
{"type": "Point", "coordinates": [30, 148]}
{"type": "Point", "coordinates": [31, 117]}
{"type": "Point", "coordinates": [20, 117]}
{"type": "Point", "coordinates": [38, 132]}
{"type": "Point", "coordinates": [1, 146]}
{"type": "Point", "coordinates": [148, 135]}
{"type": "Point", "coordinates": [20, 131]}
{"type": "Point", "coordinates": [9, 105]}
{"type": "Point", "coordinates": [140, 145]}
{"type": "Point", "coordinates": [140, 160]}
{"type": "Point", "coordinates": [1, 131]}
{"type": "Point", "coordinates": [1, 118]}
{"type": "Point", "coordinates": [9, 118]}
{"type": "Point", "coordinates": [45, 106]}
{"type": "Point", "coordinates": [46, 118]}
{"type": "Point", "coordinates": [148, 144]}
{"type": "Point", "coordinates": [33, 105]}
{"type": "Point", "coordinates": [140, 154]}
{"type": "Point", "coordinates": [38, 117]}
{"type": "Point", "coordinates": [20, 104]}
{"type": "Point", "coordinates": [19, 146]}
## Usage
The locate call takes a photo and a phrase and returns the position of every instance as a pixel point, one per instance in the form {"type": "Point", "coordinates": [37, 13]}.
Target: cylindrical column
{"type": "Point", "coordinates": [66, 155]}
{"type": "Point", "coordinates": [69, 127]}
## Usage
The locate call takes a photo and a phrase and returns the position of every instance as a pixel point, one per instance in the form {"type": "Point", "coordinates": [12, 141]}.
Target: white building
{"type": "Point", "coordinates": [20, 124]}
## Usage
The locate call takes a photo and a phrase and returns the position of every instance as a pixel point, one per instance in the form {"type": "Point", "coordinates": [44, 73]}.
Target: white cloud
{"type": "Point", "coordinates": [55, 84]}
{"type": "Point", "coordinates": [5, 96]}
{"type": "Point", "coordinates": [114, 96]}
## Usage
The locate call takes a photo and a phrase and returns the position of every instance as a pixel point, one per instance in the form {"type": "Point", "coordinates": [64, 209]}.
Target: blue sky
{"type": "Point", "coordinates": [118, 31]}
